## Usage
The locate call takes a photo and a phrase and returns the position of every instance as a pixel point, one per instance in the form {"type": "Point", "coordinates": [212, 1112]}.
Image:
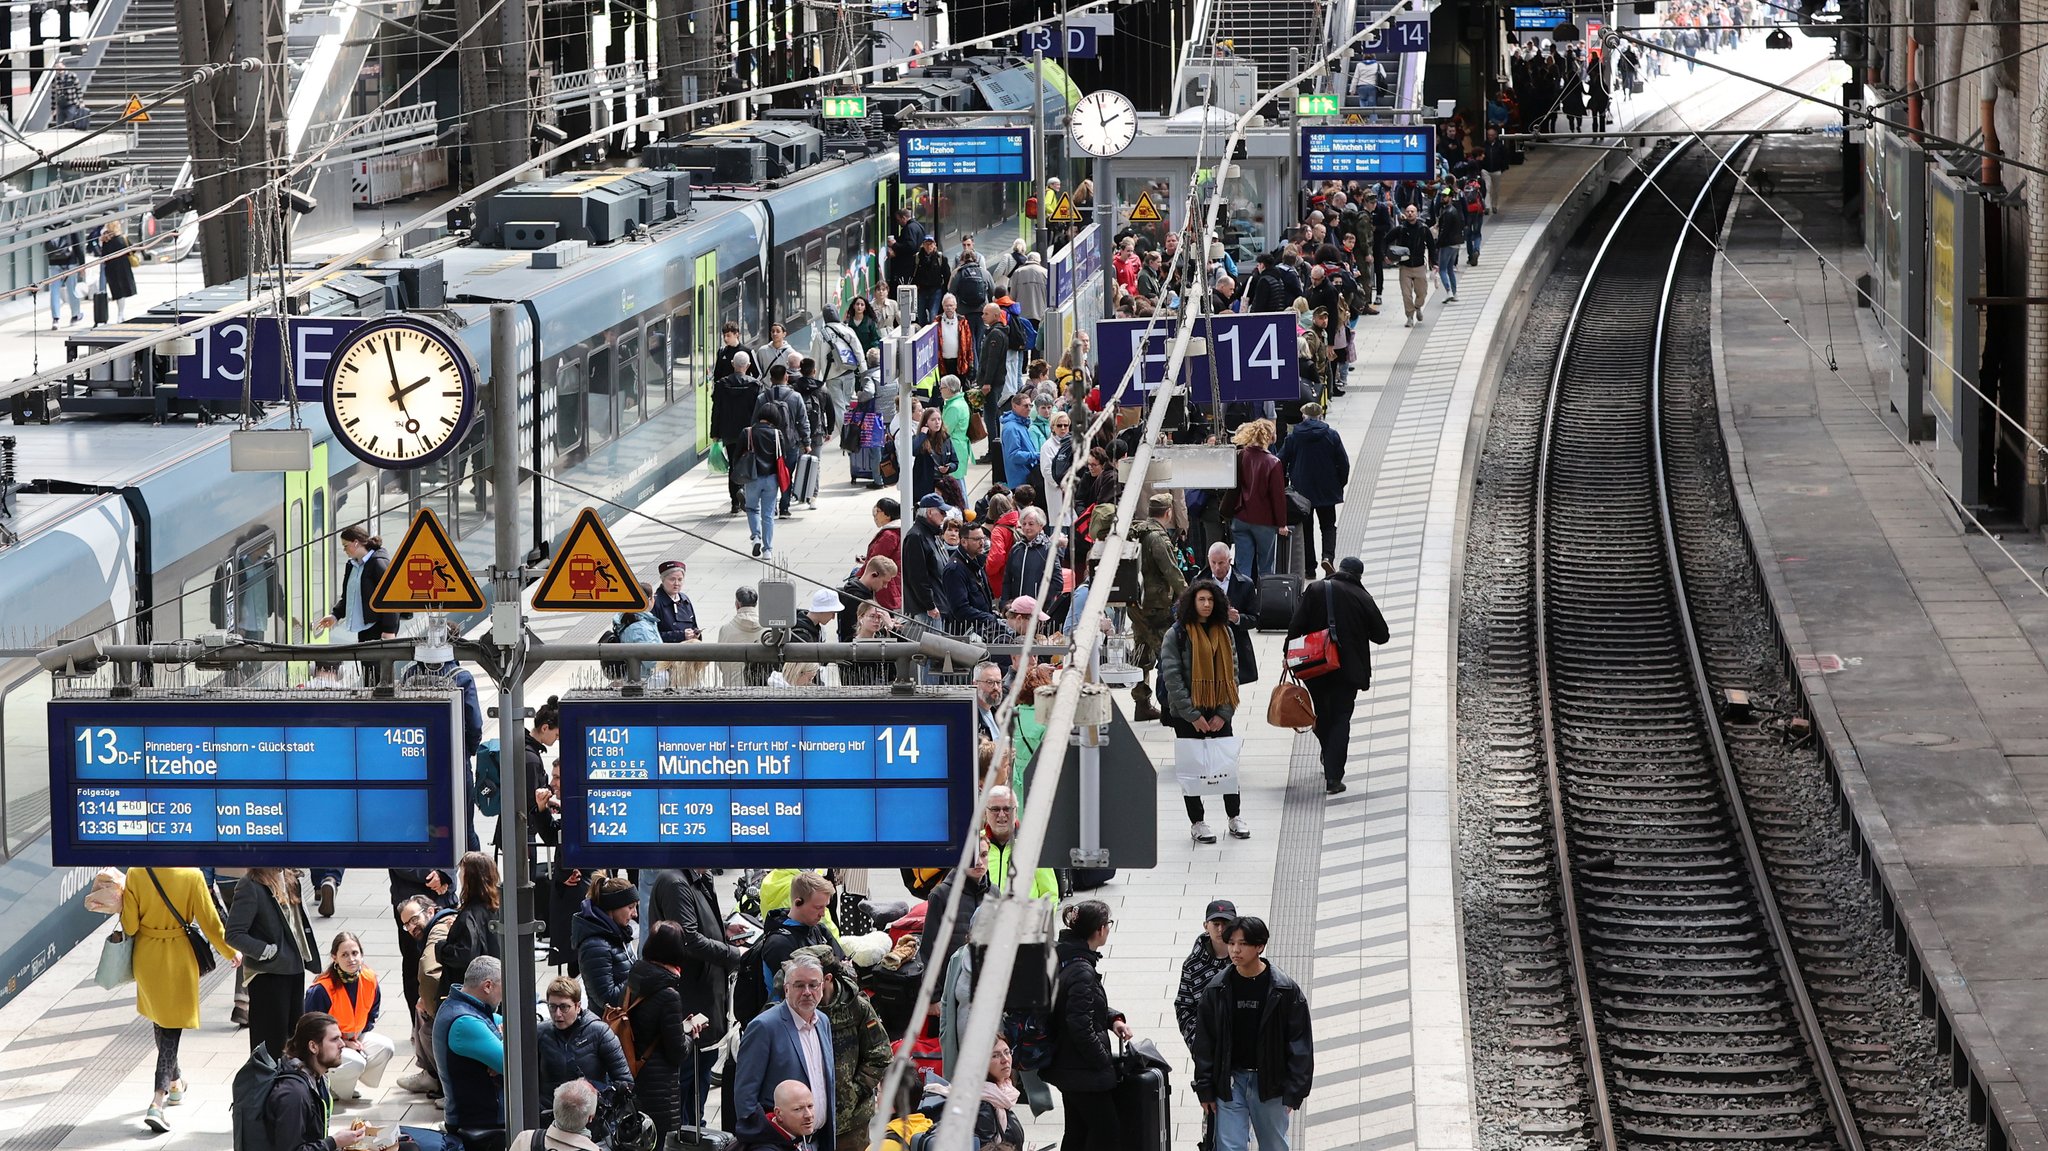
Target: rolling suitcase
{"type": "Point", "coordinates": [803, 480]}
{"type": "Point", "coordinates": [1281, 590]}
{"type": "Point", "coordinates": [1144, 1099]}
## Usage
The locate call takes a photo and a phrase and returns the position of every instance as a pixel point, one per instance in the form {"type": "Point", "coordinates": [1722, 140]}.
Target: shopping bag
{"type": "Point", "coordinates": [117, 962]}
{"type": "Point", "coordinates": [719, 464]}
{"type": "Point", "coordinates": [1207, 766]}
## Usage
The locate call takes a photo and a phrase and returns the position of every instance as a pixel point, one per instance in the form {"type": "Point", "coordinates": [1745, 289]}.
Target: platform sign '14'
{"type": "Point", "coordinates": [1251, 357]}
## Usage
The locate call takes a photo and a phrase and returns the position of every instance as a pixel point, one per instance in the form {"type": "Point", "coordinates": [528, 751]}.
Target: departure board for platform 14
{"type": "Point", "coordinates": [835, 781]}
{"type": "Point", "coordinates": [962, 155]}
{"type": "Point", "coordinates": [1368, 152]}
{"type": "Point", "coordinates": [293, 779]}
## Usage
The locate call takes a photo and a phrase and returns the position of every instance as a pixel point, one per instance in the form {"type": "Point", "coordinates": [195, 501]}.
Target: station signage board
{"type": "Point", "coordinates": [1525, 19]}
{"type": "Point", "coordinates": [251, 351]}
{"type": "Point", "coordinates": [1400, 35]}
{"type": "Point", "coordinates": [1368, 152]}
{"type": "Point", "coordinates": [1080, 42]}
{"type": "Point", "coordinates": [1251, 357]}
{"type": "Point", "coordinates": [965, 155]}
{"type": "Point", "coordinates": [300, 778]}
{"type": "Point", "coordinates": [845, 107]}
{"type": "Point", "coordinates": [836, 781]}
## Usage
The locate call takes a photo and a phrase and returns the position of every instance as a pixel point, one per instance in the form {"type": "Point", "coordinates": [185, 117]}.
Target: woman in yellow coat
{"type": "Point", "coordinates": [166, 972]}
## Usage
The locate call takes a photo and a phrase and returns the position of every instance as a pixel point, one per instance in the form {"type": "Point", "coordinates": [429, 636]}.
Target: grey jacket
{"type": "Point", "coordinates": [256, 923]}
{"type": "Point", "coordinates": [1175, 659]}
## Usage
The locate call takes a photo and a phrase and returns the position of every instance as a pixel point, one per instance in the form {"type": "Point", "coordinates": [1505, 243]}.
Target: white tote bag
{"type": "Point", "coordinates": [1207, 766]}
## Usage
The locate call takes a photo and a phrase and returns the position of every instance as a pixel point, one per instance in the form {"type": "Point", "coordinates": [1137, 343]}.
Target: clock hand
{"type": "Point", "coordinates": [397, 397]}
{"type": "Point", "coordinates": [416, 385]}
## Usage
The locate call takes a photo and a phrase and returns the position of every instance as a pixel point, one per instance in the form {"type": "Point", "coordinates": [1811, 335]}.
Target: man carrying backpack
{"type": "Point", "coordinates": [65, 251]}
{"type": "Point", "coordinates": [803, 925]}
{"type": "Point", "coordinates": [285, 1106]}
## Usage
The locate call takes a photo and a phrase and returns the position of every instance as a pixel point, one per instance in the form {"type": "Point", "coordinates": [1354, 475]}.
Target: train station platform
{"type": "Point", "coordinates": [1360, 889]}
{"type": "Point", "coordinates": [1922, 644]}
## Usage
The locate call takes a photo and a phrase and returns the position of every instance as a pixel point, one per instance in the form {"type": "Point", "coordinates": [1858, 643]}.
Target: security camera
{"type": "Point", "coordinates": [78, 657]}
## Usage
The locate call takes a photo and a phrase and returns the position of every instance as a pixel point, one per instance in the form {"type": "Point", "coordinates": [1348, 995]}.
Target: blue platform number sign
{"type": "Point", "coordinates": [248, 351]}
{"type": "Point", "coordinates": [298, 780]}
{"type": "Point", "coordinates": [958, 155]}
{"type": "Point", "coordinates": [1398, 36]}
{"type": "Point", "coordinates": [1252, 357]}
{"type": "Point", "coordinates": [1368, 152]}
{"type": "Point", "coordinates": [857, 782]}
{"type": "Point", "coordinates": [1080, 41]}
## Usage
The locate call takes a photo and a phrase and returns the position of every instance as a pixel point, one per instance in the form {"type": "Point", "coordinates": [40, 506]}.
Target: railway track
{"type": "Point", "coordinates": [1676, 973]}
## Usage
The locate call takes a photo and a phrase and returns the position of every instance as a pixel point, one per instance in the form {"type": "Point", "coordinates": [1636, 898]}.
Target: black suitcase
{"type": "Point", "coordinates": [1144, 1099]}
{"type": "Point", "coordinates": [1278, 593]}
{"type": "Point", "coordinates": [1090, 878]}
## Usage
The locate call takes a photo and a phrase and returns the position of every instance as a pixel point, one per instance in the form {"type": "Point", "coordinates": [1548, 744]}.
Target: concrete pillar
{"type": "Point", "coordinates": [2034, 150]}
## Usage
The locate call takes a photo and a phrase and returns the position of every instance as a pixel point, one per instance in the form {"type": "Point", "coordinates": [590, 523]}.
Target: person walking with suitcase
{"type": "Point", "coordinates": [1083, 1067]}
{"type": "Point", "coordinates": [1255, 1055]}
{"type": "Point", "coordinates": [1340, 605]}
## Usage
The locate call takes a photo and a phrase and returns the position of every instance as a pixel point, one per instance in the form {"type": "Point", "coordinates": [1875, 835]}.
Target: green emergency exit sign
{"type": "Point", "coordinates": [1315, 104]}
{"type": "Point", "coordinates": [846, 107]}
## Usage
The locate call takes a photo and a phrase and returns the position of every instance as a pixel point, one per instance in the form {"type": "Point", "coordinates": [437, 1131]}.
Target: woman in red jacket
{"type": "Point", "coordinates": [887, 541]}
{"type": "Point", "coordinates": [1260, 516]}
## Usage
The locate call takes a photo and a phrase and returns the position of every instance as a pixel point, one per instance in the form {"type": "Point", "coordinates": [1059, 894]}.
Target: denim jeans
{"type": "Point", "coordinates": [1244, 1112]}
{"type": "Point", "coordinates": [762, 492]}
{"type": "Point", "coordinates": [68, 284]}
{"type": "Point", "coordinates": [1447, 268]}
{"type": "Point", "coordinates": [1256, 544]}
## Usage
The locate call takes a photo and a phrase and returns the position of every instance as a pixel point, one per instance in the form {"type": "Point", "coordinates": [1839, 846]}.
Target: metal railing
{"type": "Point", "coordinates": [83, 205]}
{"type": "Point", "coordinates": [587, 87]}
{"type": "Point", "coordinates": [402, 129]}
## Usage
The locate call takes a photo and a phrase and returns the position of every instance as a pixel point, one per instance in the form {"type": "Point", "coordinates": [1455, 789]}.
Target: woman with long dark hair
{"type": "Point", "coordinates": [663, 1032]}
{"type": "Point", "coordinates": [474, 930]}
{"type": "Point", "coordinates": [267, 924]}
{"type": "Point", "coordinates": [1198, 690]}
{"type": "Point", "coordinates": [933, 456]}
{"type": "Point", "coordinates": [1083, 1066]}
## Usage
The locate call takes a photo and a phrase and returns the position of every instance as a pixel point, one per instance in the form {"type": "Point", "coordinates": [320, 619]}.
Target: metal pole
{"type": "Point", "coordinates": [906, 372]}
{"type": "Point", "coordinates": [1089, 854]}
{"type": "Point", "coordinates": [508, 628]}
{"type": "Point", "coordinates": [1105, 221]}
{"type": "Point", "coordinates": [1038, 133]}
{"type": "Point", "coordinates": [1294, 142]}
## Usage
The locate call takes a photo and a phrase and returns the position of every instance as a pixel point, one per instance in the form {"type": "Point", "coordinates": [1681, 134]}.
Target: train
{"type": "Point", "coordinates": [140, 529]}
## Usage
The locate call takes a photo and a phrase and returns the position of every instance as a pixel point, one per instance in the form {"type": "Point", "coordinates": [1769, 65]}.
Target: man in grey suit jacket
{"type": "Point", "coordinates": [791, 1040]}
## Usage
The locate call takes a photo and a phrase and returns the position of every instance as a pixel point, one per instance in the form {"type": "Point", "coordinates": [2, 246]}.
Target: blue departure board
{"type": "Point", "coordinates": [1526, 19]}
{"type": "Point", "coordinates": [964, 155]}
{"type": "Point", "coordinates": [1368, 153]}
{"type": "Point", "coordinates": [863, 781]}
{"type": "Point", "coordinates": [301, 779]}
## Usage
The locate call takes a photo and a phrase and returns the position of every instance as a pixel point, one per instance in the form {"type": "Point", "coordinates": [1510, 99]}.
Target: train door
{"type": "Point", "coordinates": [704, 314]}
{"type": "Point", "coordinates": [308, 561]}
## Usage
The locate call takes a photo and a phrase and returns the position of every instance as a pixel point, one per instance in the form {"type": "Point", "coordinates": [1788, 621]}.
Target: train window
{"type": "Point", "coordinates": [751, 326]}
{"type": "Point", "coordinates": [654, 368]}
{"type": "Point", "coordinates": [571, 409]}
{"type": "Point", "coordinates": [319, 564]}
{"type": "Point", "coordinates": [814, 262]}
{"type": "Point", "coordinates": [729, 306]}
{"type": "Point", "coordinates": [603, 405]}
{"type": "Point", "coordinates": [682, 327]}
{"type": "Point", "coordinates": [629, 382]}
{"type": "Point", "coordinates": [792, 301]}
{"type": "Point", "coordinates": [25, 771]}
{"type": "Point", "coordinates": [199, 604]}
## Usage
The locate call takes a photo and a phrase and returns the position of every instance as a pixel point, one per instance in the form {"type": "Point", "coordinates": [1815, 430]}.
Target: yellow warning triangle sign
{"type": "Point", "coordinates": [1063, 210]}
{"type": "Point", "coordinates": [427, 574]}
{"type": "Point", "coordinates": [589, 574]}
{"type": "Point", "coordinates": [134, 113]}
{"type": "Point", "coordinates": [1145, 211]}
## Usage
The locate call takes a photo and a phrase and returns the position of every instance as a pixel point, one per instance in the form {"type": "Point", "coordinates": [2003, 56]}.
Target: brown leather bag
{"type": "Point", "coordinates": [1291, 706]}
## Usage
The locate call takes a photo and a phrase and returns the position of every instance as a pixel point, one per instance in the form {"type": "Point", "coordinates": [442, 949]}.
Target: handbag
{"type": "Point", "coordinates": [202, 951]}
{"type": "Point", "coordinates": [117, 962]}
{"type": "Point", "coordinates": [977, 427]}
{"type": "Point", "coordinates": [1207, 766]}
{"type": "Point", "coordinates": [1298, 507]}
{"type": "Point", "coordinates": [1247, 655]}
{"type": "Point", "coordinates": [1315, 654]}
{"type": "Point", "coordinates": [1291, 706]}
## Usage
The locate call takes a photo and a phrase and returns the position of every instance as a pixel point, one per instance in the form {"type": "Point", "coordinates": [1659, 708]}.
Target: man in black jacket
{"type": "Point", "coordinates": [690, 897]}
{"type": "Point", "coordinates": [1357, 625]}
{"type": "Point", "coordinates": [879, 572]}
{"type": "Point", "coordinates": [963, 586]}
{"type": "Point", "coordinates": [733, 395]}
{"type": "Point", "coordinates": [803, 925]}
{"type": "Point", "coordinates": [1419, 245]}
{"type": "Point", "coordinates": [294, 1115]}
{"type": "Point", "coordinates": [931, 272]}
{"type": "Point", "coordinates": [1255, 1057]}
{"type": "Point", "coordinates": [923, 552]}
{"type": "Point", "coordinates": [1267, 291]}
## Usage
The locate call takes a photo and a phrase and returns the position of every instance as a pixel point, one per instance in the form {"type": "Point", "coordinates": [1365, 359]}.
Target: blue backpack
{"type": "Point", "coordinates": [1023, 326]}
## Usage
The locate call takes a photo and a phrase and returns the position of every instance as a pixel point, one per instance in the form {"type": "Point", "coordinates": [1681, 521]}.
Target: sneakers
{"type": "Point", "coordinates": [1409, 322]}
{"type": "Point", "coordinates": [176, 1094]}
{"type": "Point", "coordinates": [1239, 829]}
{"type": "Point", "coordinates": [154, 1119]}
{"type": "Point", "coordinates": [325, 899]}
{"type": "Point", "coordinates": [757, 546]}
{"type": "Point", "coordinates": [1451, 299]}
{"type": "Point", "coordinates": [1202, 832]}
{"type": "Point", "coordinates": [419, 1083]}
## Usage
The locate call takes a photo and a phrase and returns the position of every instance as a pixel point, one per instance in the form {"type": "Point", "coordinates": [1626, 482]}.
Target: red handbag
{"type": "Point", "coordinates": [1315, 654]}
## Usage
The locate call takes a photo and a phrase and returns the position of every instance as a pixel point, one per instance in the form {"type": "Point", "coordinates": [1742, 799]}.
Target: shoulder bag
{"type": "Point", "coordinates": [117, 962]}
{"type": "Point", "coordinates": [202, 951]}
{"type": "Point", "coordinates": [1315, 654]}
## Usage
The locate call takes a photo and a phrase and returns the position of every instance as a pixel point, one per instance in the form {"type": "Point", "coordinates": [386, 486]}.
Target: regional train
{"type": "Point", "coordinates": [140, 530]}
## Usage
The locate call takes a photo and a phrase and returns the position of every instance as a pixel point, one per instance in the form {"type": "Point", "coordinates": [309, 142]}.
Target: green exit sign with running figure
{"type": "Point", "coordinates": [1315, 104]}
{"type": "Point", "coordinates": [846, 107]}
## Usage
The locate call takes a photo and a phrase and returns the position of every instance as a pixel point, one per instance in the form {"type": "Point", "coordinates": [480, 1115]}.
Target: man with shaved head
{"type": "Point", "coordinates": [791, 1122]}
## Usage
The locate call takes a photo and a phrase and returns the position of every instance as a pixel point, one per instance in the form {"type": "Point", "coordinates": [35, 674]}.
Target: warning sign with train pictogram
{"type": "Point", "coordinates": [427, 574]}
{"type": "Point", "coordinates": [589, 573]}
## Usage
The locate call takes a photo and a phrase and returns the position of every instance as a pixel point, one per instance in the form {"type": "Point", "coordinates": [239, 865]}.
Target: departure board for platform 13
{"type": "Point", "coordinates": [964, 155]}
{"type": "Point", "coordinates": [286, 780]}
{"type": "Point", "coordinates": [848, 781]}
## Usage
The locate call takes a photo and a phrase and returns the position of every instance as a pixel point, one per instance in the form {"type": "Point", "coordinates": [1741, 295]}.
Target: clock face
{"type": "Point", "coordinates": [1103, 123]}
{"type": "Point", "coordinates": [401, 392]}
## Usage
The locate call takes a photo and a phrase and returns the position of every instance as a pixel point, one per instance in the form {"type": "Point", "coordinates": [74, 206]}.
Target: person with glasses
{"type": "Point", "coordinates": [1056, 459]}
{"type": "Point", "coordinates": [579, 1046]}
{"type": "Point", "coordinates": [996, 1123]}
{"type": "Point", "coordinates": [1083, 1066]}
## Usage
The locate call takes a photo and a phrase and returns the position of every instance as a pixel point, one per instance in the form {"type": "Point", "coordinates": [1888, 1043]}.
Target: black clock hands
{"type": "Point", "coordinates": [397, 395]}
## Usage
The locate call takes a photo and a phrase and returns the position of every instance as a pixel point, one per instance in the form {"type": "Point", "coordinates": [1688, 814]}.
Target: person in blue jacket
{"type": "Point", "coordinates": [1020, 447]}
{"type": "Point", "coordinates": [469, 1047]}
{"type": "Point", "coordinates": [1317, 468]}
{"type": "Point", "coordinates": [674, 614]}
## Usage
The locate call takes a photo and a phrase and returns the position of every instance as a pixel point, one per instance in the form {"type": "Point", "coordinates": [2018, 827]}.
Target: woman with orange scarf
{"type": "Point", "coordinates": [1198, 685]}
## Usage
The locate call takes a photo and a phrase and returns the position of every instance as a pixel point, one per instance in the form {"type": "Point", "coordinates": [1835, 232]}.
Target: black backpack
{"type": "Point", "coordinates": [251, 1092]}
{"type": "Point", "coordinates": [62, 252]}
